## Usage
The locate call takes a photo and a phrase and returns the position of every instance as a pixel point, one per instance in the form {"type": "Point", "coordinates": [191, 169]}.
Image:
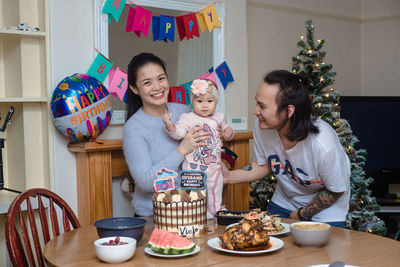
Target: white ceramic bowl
{"type": "Point", "coordinates": [310, 237]}
{"type": "Point", "coordinates": [115, 253]}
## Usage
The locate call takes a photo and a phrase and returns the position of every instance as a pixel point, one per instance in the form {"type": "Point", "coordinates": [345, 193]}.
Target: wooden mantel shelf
{"type": "Point", "coordinates": [97, 163]}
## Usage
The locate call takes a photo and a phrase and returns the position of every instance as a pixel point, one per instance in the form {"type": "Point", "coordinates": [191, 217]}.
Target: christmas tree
{"type": "Point", "coordinates": [310, 63]}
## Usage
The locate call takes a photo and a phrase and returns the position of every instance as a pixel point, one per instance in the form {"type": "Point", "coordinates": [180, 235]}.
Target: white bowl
{"type": "Point", "coordinates": [115, 253]}
{"type": "Point", "coordinates": [310, 237]}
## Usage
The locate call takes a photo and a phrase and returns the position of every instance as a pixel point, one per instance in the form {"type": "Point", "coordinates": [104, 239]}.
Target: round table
{"type": "Point", "coordinates": [352, 247]}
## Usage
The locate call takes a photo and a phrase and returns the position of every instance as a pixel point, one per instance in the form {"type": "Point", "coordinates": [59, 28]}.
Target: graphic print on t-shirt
{"type": "Point", "coordinates": [207, 154]}
{"type": "Point", "coordinates": [287, 169]}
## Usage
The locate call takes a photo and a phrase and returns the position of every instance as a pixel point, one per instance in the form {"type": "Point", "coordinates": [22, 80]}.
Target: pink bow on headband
{"type": "Point", "coordinates": [199, 87]}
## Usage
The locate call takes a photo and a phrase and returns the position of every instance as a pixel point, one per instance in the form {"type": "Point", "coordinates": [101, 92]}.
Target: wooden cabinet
{"type": "Point", "coordinates": [24, 73]}
{"type": "Point", "coordinates": [96, 164]}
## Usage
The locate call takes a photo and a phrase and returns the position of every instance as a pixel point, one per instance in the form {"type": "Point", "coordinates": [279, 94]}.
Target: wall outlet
{"type": "Point", "coordinates": [238, 123]}
{"type": "Point", "coordinates": [118, 117]}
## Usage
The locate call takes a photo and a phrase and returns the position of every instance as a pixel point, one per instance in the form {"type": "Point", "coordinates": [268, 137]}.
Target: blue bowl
{"type": "Point", "coordinates": [121, 226]}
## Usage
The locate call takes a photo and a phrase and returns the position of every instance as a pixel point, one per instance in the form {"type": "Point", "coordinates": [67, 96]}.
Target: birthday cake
{"type": "Point", "coordinates": [180, 211]}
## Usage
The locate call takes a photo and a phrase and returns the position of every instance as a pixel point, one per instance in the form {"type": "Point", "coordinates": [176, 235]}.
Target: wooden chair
{"type": "Point", "coordinates": [20, 250]}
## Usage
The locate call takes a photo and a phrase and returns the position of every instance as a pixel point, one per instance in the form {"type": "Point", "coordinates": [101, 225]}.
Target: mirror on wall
{"type": "Point", "coordinates": [185, 60]}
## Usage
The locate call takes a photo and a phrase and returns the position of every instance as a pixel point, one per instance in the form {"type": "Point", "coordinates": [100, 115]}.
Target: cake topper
{"type": "Point", "coordinates": [165, 180]}
{"type": "Point", "coordinates": [192, 180]}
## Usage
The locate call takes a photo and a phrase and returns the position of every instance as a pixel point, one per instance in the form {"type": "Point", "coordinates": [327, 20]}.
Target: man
{"type": "Point", "coordinates": [303, 152]}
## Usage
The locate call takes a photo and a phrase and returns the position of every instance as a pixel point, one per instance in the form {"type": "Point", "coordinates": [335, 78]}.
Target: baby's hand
{"type": "Point", "coordinates": [227, 133]}
{"type": "Point", "coordinates": [168, 122]}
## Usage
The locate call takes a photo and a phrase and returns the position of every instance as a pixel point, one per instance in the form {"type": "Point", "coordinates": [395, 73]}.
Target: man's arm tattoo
{"type": "Point", "coordinates": [247, 168]}
{"type": "Point", "coordinates": [322, 200]}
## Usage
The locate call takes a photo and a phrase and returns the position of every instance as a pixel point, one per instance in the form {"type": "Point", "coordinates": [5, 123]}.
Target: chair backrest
{"type": "Point", "coordinates": [20, 248]}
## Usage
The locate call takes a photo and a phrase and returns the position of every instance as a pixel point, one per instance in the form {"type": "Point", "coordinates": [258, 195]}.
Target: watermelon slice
{"type": "Point", "coordinates": [153, 237]}
{"type": "Point", "coordinates": [165, 242]}
{"type": "Point", "coordinates": [181, 245]}
{"type": "Point", "coordinates": [157, 243]}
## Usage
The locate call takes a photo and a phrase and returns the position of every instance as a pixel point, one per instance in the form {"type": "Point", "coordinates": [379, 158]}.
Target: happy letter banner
{"type": "Point", "coordinates": [167, 28]}
{"type": "Point", "coordinates": [114, 9]}
{"type": "Point", "coordinates": [139, 20]}
{"type": "Point", "coordinates": [211, 17]}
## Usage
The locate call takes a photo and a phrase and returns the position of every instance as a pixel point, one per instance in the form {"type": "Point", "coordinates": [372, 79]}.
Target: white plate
{"type": "Point", "coordinates": [215, 243]}
{"type": "Point", "coordinates": [153, 253]}
{"type": "Point", "coordinates": [285, 230]}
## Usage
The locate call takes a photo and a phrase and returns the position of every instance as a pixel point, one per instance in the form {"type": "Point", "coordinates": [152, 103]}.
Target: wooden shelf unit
{"type": "Point", "coordinates": [24, 74]}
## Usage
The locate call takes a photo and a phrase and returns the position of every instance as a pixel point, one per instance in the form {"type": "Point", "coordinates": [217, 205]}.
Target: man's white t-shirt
{"type": "Point", "coordinates": [317, 162]}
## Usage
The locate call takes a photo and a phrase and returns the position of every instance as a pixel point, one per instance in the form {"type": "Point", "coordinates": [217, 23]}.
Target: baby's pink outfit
{"type": "Point", "coordinates": [208, 158]}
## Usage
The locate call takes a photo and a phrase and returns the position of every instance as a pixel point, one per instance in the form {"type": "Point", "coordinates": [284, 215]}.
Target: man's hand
{"type": "Point", "coordinates": [250, 173]}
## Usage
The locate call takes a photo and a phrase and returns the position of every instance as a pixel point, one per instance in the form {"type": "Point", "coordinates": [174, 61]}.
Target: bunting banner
{"type": "Point", "coordinates": [119, 83]}
{"type": "Point", "coordinates": [114, 9]}
{"type": "Point", "coordinates": [177, 94]}
{"type": "Point", "coordinates": [163, 27]}
{"type": "Point", "coordinates": [100, 67]}
{"type": "Point", "coordinates": [187, 92]}
{"type": "Point", "coordinates": [209, 76]}
{"type": "Point", "coordinates": [118, 79]}
{"type": "Point", "coordinates": [181, 27]}
{"type": "Point", "coordinates": [224, 74]}
{"type": "Point", "coordinates": [141, 21]}
{"type": "Point", "coordinates": [191, 26]}
{"type": "Point", "coordinates": [211, 17]}
{"type": "Point", "coordinates": [167, 28]}
{"type": "Point", "coordinates": [201, 21]}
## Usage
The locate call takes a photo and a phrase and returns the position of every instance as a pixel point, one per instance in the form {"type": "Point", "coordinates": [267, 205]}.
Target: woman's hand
{"type": "Point", "coordinates": [168, 122]}
{"type": "Point", "coordinates": [193, 139]}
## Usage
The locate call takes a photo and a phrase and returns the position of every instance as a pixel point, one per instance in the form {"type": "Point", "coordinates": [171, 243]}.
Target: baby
{"type": "Point", "coordinates": [204, 97]}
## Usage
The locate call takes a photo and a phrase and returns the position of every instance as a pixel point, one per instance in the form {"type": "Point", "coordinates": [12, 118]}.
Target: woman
{"type": "Point", "coordinates": [147, 147]}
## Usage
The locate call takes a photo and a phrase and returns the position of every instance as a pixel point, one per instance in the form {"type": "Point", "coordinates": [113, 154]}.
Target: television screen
{"type": "Point", "coordinates": [375, 121]}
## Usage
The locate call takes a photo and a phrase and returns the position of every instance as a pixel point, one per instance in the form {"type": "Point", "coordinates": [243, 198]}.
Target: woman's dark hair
{"type": "Point", "coordinates": [293, 91]}
{"type": "Point", "coordinates": [134, 102]}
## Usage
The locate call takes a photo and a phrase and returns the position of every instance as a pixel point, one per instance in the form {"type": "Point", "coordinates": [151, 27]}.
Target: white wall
{"type": "Point", "coordinates": [380, 38]}
{"type": "Point", "coordinates": [71, 50]}
{"type": "Point", "coordinates": [274, 28]}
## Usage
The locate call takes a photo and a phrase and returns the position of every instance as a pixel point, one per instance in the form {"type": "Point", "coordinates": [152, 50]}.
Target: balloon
{"type": "Point", "coordinates": [81, 107]}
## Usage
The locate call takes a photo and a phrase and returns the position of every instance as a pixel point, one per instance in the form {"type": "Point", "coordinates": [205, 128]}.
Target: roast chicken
{"type": "Point", "coordinates": [246, 235]}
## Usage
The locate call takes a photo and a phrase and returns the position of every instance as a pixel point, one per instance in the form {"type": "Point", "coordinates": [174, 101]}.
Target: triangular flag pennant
{"type": "Point", "coordinates": [156, 28]}
{"type": "Point", "coordinates": [191, 26]}
{"type": "Point", "coordinates": [167, 28]}
{"type": "Point", "coordinates": [129, 19]}
{"type": "Point", "coordinates": [224, 74]}
{"type": "Point", "coordinates": [209, 76]}
{"type": "Point", "coordinates": [181, 27]}
{"type": "Point", "coordinates": [187, 92]}
{"type": "Point", "coordinates": [118, 84]}
{"type": "Point", "coordinates": [114, 9]}
{"type": "Point", "coordinates": [99, 68]}
{"type": "Point", "coordinates": [111, 74]}
{"type": "Point", "coordinates": [141, 21]}
{"type": "Point", "coordinates": [177, 94]}
{"type": "Point", "coordinates": [211, 17]}
{"type": "Point", "coordinates": [201, 21]}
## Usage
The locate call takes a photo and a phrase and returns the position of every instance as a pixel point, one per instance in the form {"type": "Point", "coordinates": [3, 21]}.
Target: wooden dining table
{"type": "Point", "coordinates": [352, 247]}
